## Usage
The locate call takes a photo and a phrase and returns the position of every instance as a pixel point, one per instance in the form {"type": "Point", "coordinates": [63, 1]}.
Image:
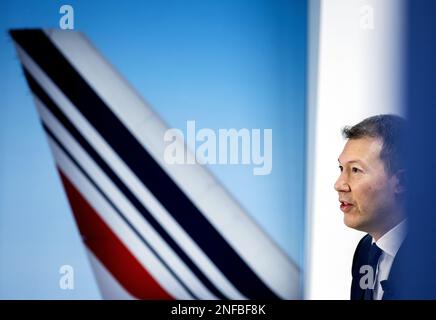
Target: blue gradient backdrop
{"type": "Point", "coordinates": [420, 100]}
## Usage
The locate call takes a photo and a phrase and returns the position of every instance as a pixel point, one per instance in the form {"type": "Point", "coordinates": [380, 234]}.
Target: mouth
{"type": "Point", "coordinates": [345, 206]}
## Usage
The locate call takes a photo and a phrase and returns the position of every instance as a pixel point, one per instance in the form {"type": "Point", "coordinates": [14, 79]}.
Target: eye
{"type": "Point", "coordinates": [341, 168]}
{"type": "Point", "coordinates": [355, 170]}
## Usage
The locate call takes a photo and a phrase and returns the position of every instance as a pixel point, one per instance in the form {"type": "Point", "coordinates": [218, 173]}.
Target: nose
{"type": "Point", "coordinates": [341, 184]}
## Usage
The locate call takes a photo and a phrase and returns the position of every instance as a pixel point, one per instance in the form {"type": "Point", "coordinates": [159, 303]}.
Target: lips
{"type": "Point", "coordinates": [345, 206]}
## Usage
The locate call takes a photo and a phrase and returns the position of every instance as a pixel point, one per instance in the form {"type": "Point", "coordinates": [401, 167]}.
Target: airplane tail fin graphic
{"type": "Point", "coordinates": [152, 230]}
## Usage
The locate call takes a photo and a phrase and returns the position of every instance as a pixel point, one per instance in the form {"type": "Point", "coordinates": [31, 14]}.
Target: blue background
{"type": "Point", "coordinates": [420, 100]}
{"type": "Point", "coordinates": [225, 64]}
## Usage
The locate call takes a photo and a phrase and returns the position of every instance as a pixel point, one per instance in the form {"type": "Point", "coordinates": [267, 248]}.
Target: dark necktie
{"type": "Point", "coordinates": [374, 256]}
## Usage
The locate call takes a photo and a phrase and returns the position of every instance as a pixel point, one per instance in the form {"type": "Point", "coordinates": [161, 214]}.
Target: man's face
{"type": "Point", "coordinates": [366, 192]}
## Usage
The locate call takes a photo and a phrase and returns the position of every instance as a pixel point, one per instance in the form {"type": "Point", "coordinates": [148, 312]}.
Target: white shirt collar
{"type": "Point", "coordinates": [391, 241]}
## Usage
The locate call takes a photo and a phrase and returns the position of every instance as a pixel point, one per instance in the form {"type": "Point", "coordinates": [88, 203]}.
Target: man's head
{"type": "Point", "coordinates": [371, 181]}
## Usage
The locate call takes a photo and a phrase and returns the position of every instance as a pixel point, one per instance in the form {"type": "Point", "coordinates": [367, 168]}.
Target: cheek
{"type": "Point", "coordinates": [368, 194]}
{"type": "Point", "coordinates": [374, 197]}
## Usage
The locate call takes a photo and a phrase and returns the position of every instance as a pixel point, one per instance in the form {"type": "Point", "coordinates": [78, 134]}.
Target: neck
{"type": "Point", "coordinates": [383, 228]}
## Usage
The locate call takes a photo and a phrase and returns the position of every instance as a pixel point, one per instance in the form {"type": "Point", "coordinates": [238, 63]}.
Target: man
{"type": "Point", "coordinates": [371, 195]}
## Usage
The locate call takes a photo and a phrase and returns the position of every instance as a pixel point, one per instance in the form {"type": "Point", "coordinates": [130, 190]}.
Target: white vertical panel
{"type": "Point", "coordinates": [358, 75]}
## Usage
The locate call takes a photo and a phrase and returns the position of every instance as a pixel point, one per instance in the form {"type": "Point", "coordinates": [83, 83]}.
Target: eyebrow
{"type": "Point", "coordinates": [352, 161]}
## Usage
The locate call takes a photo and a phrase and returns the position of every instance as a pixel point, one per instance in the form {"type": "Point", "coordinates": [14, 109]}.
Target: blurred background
{"type": "Point", "coordinates": [225, 64]}
{"type": "Point", "coordinates": [302, 68]}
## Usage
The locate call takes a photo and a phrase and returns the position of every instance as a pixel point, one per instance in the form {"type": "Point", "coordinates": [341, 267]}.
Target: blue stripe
{"type": "Point", "coordinates": [115, 208]}
{"type": "Point", "coordinates": [38, 91]}
{"type": "Point", "coordinates": [56, 66]}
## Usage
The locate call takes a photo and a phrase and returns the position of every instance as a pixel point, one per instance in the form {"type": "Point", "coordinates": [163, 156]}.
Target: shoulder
{"type": "Point", "coordinates": [361, 252]}
{"type": "Point", "coordinates": [365, 242]}
{"type": "Point", "coordinates": [360, 258]}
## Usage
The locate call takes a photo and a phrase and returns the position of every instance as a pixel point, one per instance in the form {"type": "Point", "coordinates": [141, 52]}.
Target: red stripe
{"type": "Point", "coordinates": [110, 250]}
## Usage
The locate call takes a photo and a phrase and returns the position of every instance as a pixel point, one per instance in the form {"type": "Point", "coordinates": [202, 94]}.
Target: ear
{"type": "Point", "coordinates": [400, 182]}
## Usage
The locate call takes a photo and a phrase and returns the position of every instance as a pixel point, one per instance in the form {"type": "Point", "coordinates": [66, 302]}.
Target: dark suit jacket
{"type": "Point", "coordinates": [390, 287]}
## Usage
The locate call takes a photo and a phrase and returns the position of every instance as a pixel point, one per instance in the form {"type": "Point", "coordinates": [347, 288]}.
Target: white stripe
{"type": "Point", "coordinates": [130, 212]}
{"type": "Point", "coordinates": [312, 87]}
{"type": "Point", "coordinates": [123, 232]}
{"type": "Point", "coordinates": [131, 181]}
{"type": "Point", "coordinates": [242, 233]}
{"type": "Point", "coordinates": [225, 214]}
{"type": "Point", "coordinates": [358, 76]}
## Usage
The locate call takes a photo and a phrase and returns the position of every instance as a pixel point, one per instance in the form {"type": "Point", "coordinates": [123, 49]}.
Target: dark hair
{"type": "Point", "coordinates": [390, 129]}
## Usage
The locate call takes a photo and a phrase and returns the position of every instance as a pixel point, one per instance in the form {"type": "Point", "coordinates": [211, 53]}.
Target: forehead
{"type": "Point", "coordinates": [366, 150]}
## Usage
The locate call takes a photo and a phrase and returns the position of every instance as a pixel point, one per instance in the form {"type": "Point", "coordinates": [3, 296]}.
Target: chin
{"type": "Point", "coordinates": [351, 222]}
